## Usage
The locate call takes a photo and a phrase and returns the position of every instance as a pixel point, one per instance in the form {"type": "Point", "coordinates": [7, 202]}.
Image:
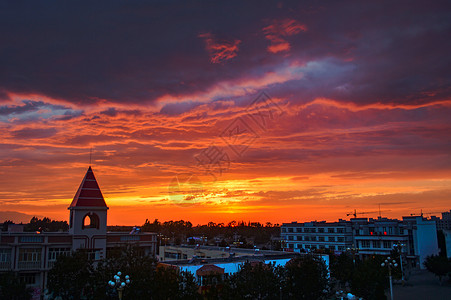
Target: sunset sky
{"type": "Point", "coordinates": [277, 112]}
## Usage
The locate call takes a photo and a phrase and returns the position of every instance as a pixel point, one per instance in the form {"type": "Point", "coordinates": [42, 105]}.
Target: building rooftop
{"type": "Point", "coordinates": [88, 194]}
{"type": "Point", "coordinates": [250, 258]}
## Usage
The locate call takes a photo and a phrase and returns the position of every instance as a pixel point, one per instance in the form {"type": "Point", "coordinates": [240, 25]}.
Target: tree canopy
{"type": "Point", "coordinates": [439, 265]}
{"type": "Point", "coordinates": [306, 277]}
{"type": "Point", "coordinates": [254, 281]}
{"type": "Point", "coordinates": [12, 288]}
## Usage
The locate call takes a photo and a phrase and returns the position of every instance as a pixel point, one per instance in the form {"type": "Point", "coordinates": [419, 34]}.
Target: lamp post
{"type": "Point", "coordinates": [399, 246]}
{"type": "Point", "coordinates": [353, 251]}
{"type": "Point", "coordinates": [390, 264]}
{"type": "Point", "coordinates": [118, 284]}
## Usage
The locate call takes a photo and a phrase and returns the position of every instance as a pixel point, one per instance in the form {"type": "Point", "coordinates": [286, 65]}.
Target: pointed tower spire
{"type": "Point", "coordinates": [88, 194]}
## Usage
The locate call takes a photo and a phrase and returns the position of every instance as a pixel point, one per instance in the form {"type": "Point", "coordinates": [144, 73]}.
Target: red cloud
{"type": "Point", "coordinates": [277, 32]}
{"type": "Point", "coordinates": [220, 50]}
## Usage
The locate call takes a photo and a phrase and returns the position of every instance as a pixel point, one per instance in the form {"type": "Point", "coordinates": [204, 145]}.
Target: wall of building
{"type": "Point", "coordinates": [426, 239]}
{"type": "Point", "coordinates": [447, 234]}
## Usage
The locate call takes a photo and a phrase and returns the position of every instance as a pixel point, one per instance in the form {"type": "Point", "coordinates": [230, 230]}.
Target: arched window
{"type": "Point", "coordinates": [90, 220]}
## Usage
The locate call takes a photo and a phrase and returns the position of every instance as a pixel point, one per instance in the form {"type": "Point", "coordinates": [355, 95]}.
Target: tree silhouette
{"type": "Point", "coordinates": [439, 265]}
{"type": "Point", "coordinates": [306, 277]}
{"type": "Point", "coordinates": [254, 281]}
{"type": "Point", "coordinates": [12, 288]}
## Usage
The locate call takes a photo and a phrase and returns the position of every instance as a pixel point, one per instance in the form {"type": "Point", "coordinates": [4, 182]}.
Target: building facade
{"type": "Point", "coordinates": [443, 223]}
{"type": "Point", "coordinates": [33, 254]}
{"type": "Point", "coordinates": [310, 236]}
{"type": "Point", "coordinates": [416, 237]}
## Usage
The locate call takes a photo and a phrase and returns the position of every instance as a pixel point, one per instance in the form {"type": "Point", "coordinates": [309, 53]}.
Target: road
{"type": "Point", "coordinates": [422, 285]}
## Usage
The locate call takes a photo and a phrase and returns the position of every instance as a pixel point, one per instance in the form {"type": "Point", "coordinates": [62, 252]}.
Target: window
{"type": "Point", "coordinates": [390, 230]}
{"type": "Point", "coordinates": [321, 239]}
{"type": "Point", "coordinates": [331, 239]}
{"type": "Point", "coordinates": [31, 239]}
{"type": "Point", "coordinates": [55, 252]}
{"type": "Point", "coordinates": [401, 231]}
{"type": "Point", "coordinates": [298, 230]}
{"type": "Point", "coordinates": [321, 230]}
{"type": "Point", "coordinates": [306, 238]}
{"type": "Point", "coordinates": [172, 255]}
{"type": "Point", "coordinates": [341, 248]}
{"type": "Point", "coordinates": [313, 238]}
{"type": "Point", "coordinates": [376, 244]}
{"type": "Point", "coordinates": [131, 237]}
{"type": "Point", "coordinates": [340, 230]}
{"type": "Point", "coordinates": [290, 246]}
{"type": "Point", "coordinates": [299, 238]}
{"type": "Point", "coordinates": [387, 244]}
{"type": "Point", "coordinates": [313, 247]}
{"type": "Point", "coordinates": [330, 230]}
{"type": "Point", "coordinates": [5, 255]}
{"type": "Point", "coordinates": [28, 278]}
{"type": "Point", "coordinates": [332, 247]}
{"type": "Point", "coordinates": [71, 219]}
{"type": "Point", "coordinates": [365, 244]}
{"type": "Point", "coordinates": [299, 246]}
{"type": "Point", "coordinates": [30, 254]}
{"type": "Point", "coordinates": [290, 238]}
{"type": "Point", "coordinates": [307, 246]}
{"type": "Point", "coordinates": [284, 230]}
{"type": "Point", "coordinates": [290, 229]}
{"type": "Point", "coordinates": [90, 220]}
{"type": "Point", "coordinates": [340, 239]}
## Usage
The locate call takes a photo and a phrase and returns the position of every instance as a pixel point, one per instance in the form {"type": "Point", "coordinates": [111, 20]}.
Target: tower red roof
{"type": "Point", "coordinates": [88, 193]}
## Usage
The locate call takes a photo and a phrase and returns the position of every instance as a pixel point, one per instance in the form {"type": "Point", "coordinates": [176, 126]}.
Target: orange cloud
{"type": "Point", "coordinates": [277, 32]}
{"type": "Point", "coordinates": [318, 155]}
{"type": "Point", "coordinates": [220, 50]}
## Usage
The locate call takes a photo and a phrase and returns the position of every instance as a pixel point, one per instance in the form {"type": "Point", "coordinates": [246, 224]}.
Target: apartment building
{"type": "Point", "coordinates": [309, 236]}
{"type": "Point", "coordinates": [415, 236]}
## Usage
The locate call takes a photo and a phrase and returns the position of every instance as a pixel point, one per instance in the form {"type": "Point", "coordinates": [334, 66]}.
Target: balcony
{"type": "Point", "coordinates": [29, 265]}
{"type": "Point", "coordinates": [50, 264]}
{"type": "Point", "coordinates": [5, 265]}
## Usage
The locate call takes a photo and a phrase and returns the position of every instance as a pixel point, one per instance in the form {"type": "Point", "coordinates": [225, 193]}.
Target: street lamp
{"type": "Point", "coordinates": [353, 251]}
{"type": "Point", "coordinates": [118, 284]}
{"type": "Point", "coordinates": [399, 246]}
{"type": "Point", "coordinates": [390, 264]}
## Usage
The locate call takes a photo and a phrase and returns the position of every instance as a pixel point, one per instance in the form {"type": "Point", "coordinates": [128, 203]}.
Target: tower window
{"type": "Point", "coordinates": [71, 220]}
{"type": "Point", "coordinates": [91, 220]}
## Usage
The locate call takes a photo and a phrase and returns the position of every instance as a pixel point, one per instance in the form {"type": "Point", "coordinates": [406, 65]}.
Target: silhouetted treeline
{"type": "Point", "coordinates": [240, 234]}
{"type": "Point", "coordinates": [41, 225]}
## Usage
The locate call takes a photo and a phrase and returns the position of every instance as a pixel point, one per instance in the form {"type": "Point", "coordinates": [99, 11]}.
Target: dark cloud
{"type": "Point", "coordinates": [140, 51]}
{"type": "Point", "coordinates": [28, 106]}
{"type": "Point", "coordinates": [33, 110]}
